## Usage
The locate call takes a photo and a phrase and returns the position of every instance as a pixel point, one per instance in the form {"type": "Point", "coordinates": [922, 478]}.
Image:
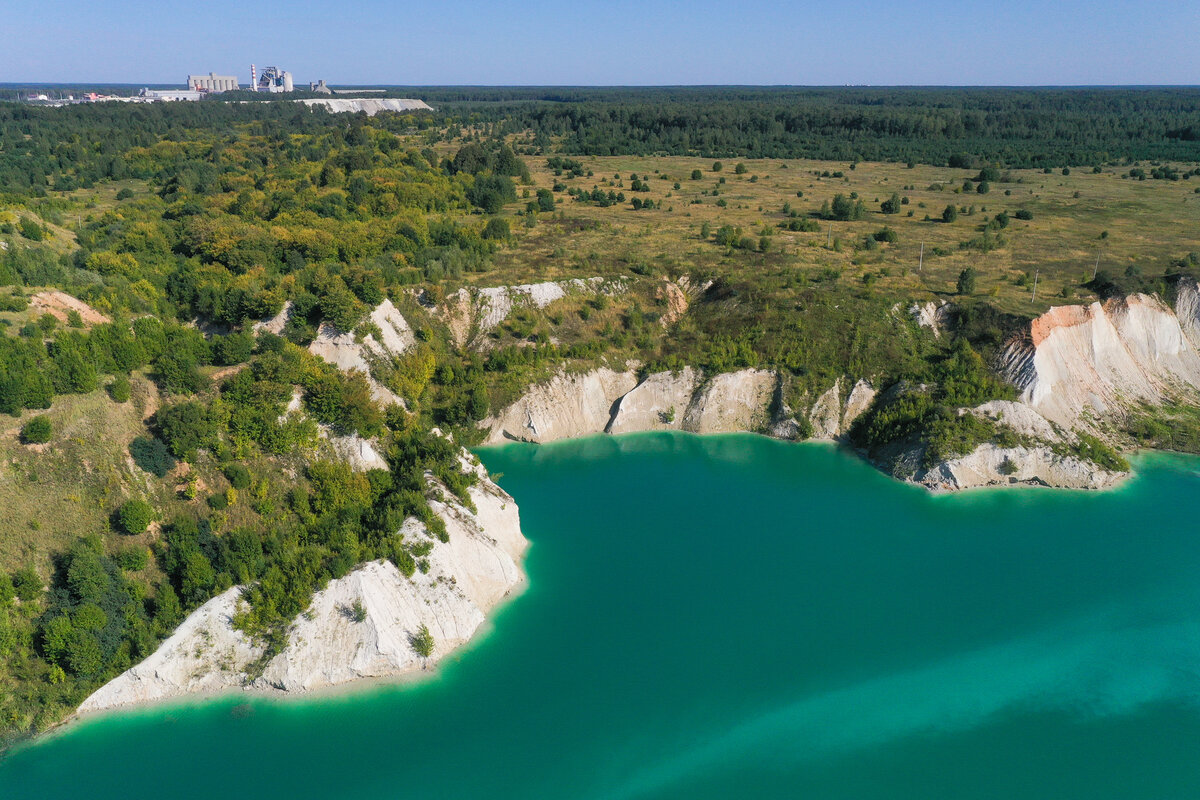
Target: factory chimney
{"type": "Point", "coordinates": [253, 79]}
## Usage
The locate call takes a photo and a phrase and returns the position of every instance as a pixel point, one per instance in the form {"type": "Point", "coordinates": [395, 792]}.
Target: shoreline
{"type": "Point", "coordinates": [271, 694]}
{"type": "Point", "coordinates": [843, 445]}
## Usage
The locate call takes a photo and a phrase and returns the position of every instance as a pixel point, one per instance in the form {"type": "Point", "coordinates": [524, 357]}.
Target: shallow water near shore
{"type": "Point", "coordinates": [713, 617]}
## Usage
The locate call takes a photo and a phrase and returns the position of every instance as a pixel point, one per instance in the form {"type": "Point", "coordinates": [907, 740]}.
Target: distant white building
{"type": "Point", "coordinates": [170, 95]}
{"type": "Point", "coordinates": [212, 82]}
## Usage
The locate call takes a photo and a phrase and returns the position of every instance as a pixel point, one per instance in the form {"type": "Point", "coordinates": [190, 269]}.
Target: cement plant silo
{"type": "Point", "coordinates": [287, 81]}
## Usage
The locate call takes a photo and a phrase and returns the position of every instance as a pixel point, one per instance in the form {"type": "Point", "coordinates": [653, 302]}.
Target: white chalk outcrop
{"type": "Point", "coordinates": [931, 315]}
{"type": "Point", "coordinates": [658, 403]}
{"type": "Point", "coordinates": [605, 401]}
{"type": "Point", "coordinates": [466, 577]}
{"type": "Point", "coordinates": [1081, 364]}
{"type": "Point", "coordinates": [566, 406]}
{"type": "Point", "coordinates": [990, 465]}
{"type": "Point", "coordinates": [470, 313]}
{"type": "Point", "coordinates": [347, 352]}
{"type": "Point", "coordinates": [204, 654]}
{"type": "Point", "coordinates": [732, 402]}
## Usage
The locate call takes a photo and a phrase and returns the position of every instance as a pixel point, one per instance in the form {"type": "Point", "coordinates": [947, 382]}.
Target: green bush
{"type": "Point", "coordinates": [152, 456]}
{"type": "Point", "coordinates": [133, 559]}
{"type": "Point", "coordinates": [120, 389]}
{"type": "Point", "coordinates": [134, 516]}
{"type": "Point", "coordinates": [218, 502]}
{"type": "Point", "coordinates": [37, 431]}
{"type": "Point", "coordinates": [238, 476]}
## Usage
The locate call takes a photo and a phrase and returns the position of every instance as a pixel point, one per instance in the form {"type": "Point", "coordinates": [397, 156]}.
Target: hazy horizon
{"type": "Point", "coordinates": [649, 43]}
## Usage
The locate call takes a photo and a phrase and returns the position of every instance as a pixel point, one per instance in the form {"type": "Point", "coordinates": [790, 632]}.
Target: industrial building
{"type": "Point", "coordinates": [212, 82]}
{"type": "Point", "coordinates": [169, 95]}
{"type": "Point", "coordinates": [272, 79]}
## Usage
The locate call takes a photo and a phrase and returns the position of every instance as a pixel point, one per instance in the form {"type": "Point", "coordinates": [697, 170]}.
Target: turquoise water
{"type": "Point", "coordinates": [738, 617]}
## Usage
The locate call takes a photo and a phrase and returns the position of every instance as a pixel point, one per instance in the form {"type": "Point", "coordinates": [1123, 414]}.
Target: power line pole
{"type": "Point", "coordinates": [921, 263]}
{"type": "Point", "coordinates": [1036, 272]}
{"type": "Point", "coordinates": [1096, 269]}
{"type": "Point", "coordinates": [829, 236]}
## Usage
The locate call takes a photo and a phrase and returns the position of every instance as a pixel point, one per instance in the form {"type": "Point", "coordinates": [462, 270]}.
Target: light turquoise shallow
{"type": "Point", "coordinates": [737, 617]}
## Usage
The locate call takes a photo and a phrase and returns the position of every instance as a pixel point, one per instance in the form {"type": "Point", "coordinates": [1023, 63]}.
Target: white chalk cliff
{"type": "Point", "coordinates": [1084, 365]}
{"type": "Point", "coordinates": [346, 352]}
{"type": "Point", "coordinates": [606, 401]}
{"type": "Point", "coordinates": [466, 577]}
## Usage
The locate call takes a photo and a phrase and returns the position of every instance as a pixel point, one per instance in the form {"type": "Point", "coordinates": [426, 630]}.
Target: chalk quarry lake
{"type": "Point", "coordinates": [732, 616]}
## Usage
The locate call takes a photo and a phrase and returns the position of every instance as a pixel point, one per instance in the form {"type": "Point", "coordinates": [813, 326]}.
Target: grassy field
{"type": "Point", "coordinates": [1076, 218]}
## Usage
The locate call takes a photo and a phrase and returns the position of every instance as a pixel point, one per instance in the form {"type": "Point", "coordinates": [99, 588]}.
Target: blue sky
{"type": "Point", "coordinates": [619, 42]}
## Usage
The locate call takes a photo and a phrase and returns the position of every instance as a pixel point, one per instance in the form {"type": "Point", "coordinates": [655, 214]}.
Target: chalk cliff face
{"type": "Point", "coordinates": [1082, 364]}
{"type": "Point", "coordinates": [472, 313]}
{"type": "Point", "coordinates": [990, 465]}
{"type": "Point", "coordinates": [394, 338]}
{"type": "Point", "coordinates": [467, 577]}
{"type": "Point", "coordinates": [565, 407]}
{"type": "Point", "coordinates": [604, 401]}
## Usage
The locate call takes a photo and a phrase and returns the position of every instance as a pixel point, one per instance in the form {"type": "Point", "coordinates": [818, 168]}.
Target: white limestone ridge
{"type": "Point", "coordinates": [466, 577]}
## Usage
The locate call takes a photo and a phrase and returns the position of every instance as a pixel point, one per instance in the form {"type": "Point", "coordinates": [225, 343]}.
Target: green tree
{"type": "Point", "coordinates": [891, 205]}
{"type": "Point", "coordinates": [134, 516]}
{"type": "Point", "coordinates": [950, 214]}
{"type": "Point", "coordinates": [545, 200]}
{"type": "Point", "coordinates": [966, 281]}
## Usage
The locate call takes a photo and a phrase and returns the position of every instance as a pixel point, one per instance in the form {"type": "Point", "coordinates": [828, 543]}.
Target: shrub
{"type": "Point", "coordinates": [31, 230]}
{"type": "Point", "coordinates": [37, 431]}
{"type": "Point", "coordinates": [497, 229]}
{"type": "Point", "coordinates": [134, 516]}
{"type": "Point", "coordinates": [1024, 214]}
{"type": "Point", "coordinates": [185, 428]}
{"type": "Point", "coordinates": [238, 476]}
{"type": "Point", "coordinates": [950, 214]}
{"type": "Point", "coordinates": [119, 390]}
{"type": "Point", "coordinates": [218, 502]}
{"type": "Point", "coordinates": [717, 166]}
{"type": "Point", "coordinates": [125, 194]}
{"type": "Point", "coordinates": [134, 559]}
{"type": "Point", "coordinates": [152, 456]}
{"type": "Point", "coordinates": [697, 174]}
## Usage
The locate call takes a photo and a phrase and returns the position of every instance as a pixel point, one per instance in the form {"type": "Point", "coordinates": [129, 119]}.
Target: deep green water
{"type": "Point", "coordinates": [738, 617]}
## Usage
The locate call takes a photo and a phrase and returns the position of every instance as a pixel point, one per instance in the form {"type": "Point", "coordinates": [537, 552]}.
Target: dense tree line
{"type": "Point", "coordinates": [958, 127]}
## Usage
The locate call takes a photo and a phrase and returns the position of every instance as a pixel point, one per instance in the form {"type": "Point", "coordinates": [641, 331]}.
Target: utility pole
{"type": "Point", "coordinates": [829, 237]}
{"type": "Point", "coordinates": [921, 263]}
{"type": "Point", "coordinates": [1036, 272]}
{"type": "Point", "coordinates": [1096, 269]}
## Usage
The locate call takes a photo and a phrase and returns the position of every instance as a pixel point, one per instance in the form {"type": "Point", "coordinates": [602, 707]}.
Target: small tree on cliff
{"type": "Point", "coordinates": [422, 642]}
